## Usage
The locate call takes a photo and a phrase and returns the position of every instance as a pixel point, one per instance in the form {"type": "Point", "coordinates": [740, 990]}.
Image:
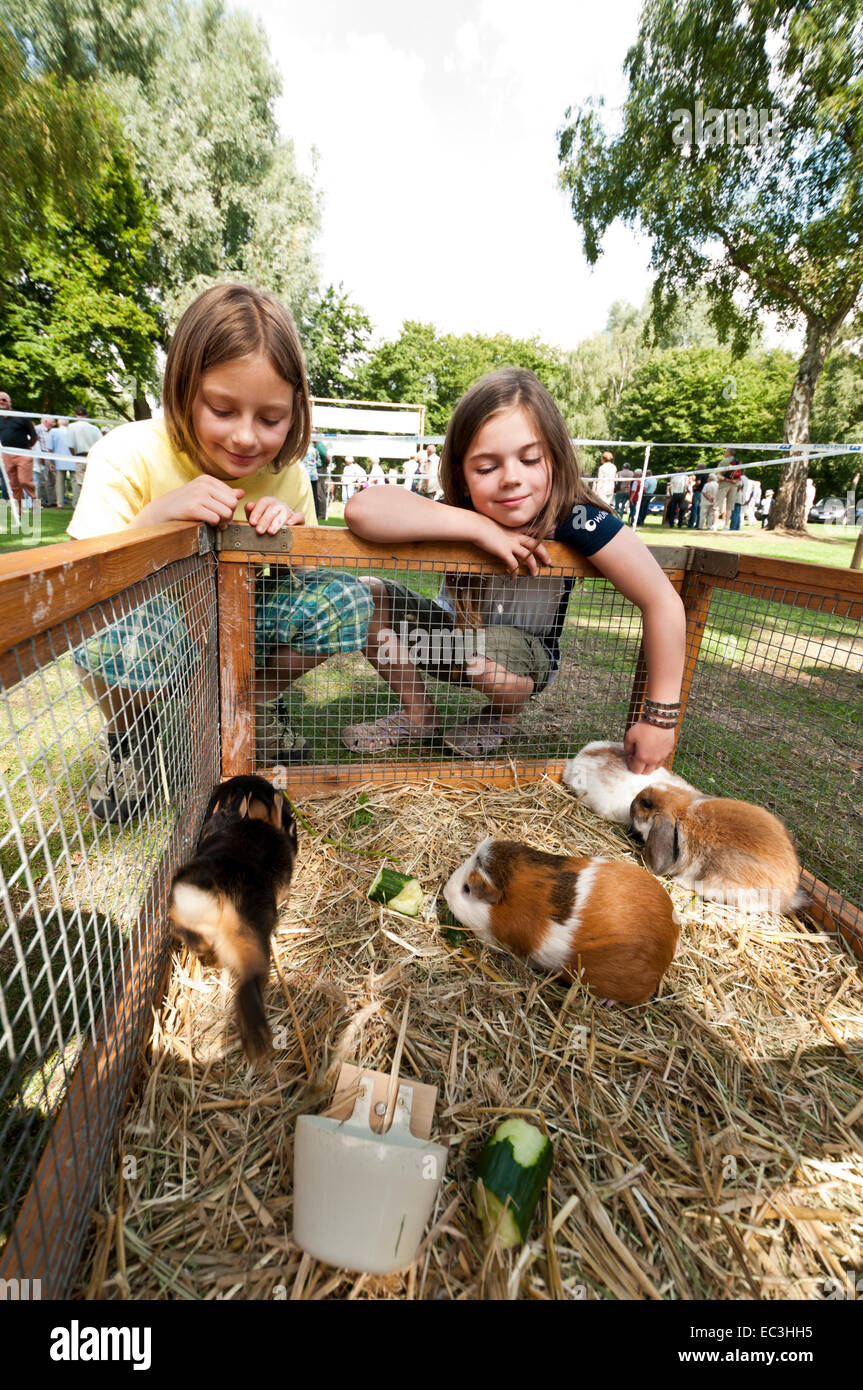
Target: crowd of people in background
{"type": "Point", "coordinates": [708, 500]}
{"type": "Point", "coordinates": [27, 474]}
{"type": "Point", "coordinates": [721, 499]}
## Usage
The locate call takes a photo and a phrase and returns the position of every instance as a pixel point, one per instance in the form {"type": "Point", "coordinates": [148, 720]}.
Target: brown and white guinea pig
{"type": "Point", "coordinates": [225, 901]}
{"type": "Point", "coordinates": [601, 779]}
{"type": "Point", "coordinates": [726, 851]}
{"type": "Point", "coordinates": [612, 923]}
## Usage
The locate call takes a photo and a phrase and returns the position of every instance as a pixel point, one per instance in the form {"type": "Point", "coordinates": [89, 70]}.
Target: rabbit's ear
{"type": "Point", "coordinates": [258, 809]}
{"type": "Point", "coordinates": [662, 847]}
{"type": "Point", "coordinates": [243, 806]}
{"type": "Point", "coordinates": [278, 807]}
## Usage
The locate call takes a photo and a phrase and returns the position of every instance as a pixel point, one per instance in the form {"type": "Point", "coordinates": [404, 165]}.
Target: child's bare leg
{"type": "Point", "coordinates": [288, 666]}
{"type": "Point", "coordinates": [391, 661]}
{"type": "Point", "coordinates": [121, 709]}
{"type": "Point", "coordinates": [507, 694]}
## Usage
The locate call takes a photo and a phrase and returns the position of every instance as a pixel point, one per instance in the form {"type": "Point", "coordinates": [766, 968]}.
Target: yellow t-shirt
{"type": "Point", "coordinates": [136, 463]}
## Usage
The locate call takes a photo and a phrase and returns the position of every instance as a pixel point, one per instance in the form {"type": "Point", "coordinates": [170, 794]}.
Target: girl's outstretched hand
{"type": "Point", "coordinates": [647, 746]}
{"type": "Point", "coordinates": [513, 547]}
{"type": "Point", "coordinates": [269, 515]}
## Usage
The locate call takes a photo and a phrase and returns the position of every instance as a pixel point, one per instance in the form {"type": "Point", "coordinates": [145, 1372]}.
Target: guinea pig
{"type": "Point", "coordinates": [604, 783]}
{"type": "Point", "coordinates": [224, 902]}
{"type": "Point", "coordinates": [612, 924]}
{"type": "Point", "coordinates": [727, 851]}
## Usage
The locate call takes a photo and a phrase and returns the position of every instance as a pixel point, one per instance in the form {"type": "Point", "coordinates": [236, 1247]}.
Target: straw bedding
{"type": "Point", "coordinates": [708, 1144]}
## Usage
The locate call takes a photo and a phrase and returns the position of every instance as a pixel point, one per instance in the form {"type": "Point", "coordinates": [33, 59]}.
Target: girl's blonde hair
{"type": "Point", "coordinates": [504, 390]}
{"type": "Point", "coordinates": [222, 324]}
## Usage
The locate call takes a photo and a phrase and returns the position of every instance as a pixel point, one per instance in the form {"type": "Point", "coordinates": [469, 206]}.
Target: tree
{"type": "Point", "coordinates": [428, 368]}
{"type": "Point", "coordinates": [687, 394]}
{"type": "Point", "coordinates": [197, 90]}
{"type": "Point", "coordinates": [336, 335]}
{"type": "Point", "coordinates": [78, 323]}
{"type": "Point", "coordinates": [53, 137]}
{"type": "Point", "coordinates": [739, 153]}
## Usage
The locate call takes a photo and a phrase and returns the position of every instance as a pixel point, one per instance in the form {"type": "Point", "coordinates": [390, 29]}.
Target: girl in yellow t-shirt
{"type": "Point", "coordinates": [237, 420]}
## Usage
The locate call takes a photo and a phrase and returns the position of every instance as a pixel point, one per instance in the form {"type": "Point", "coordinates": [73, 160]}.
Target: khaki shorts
{"type": "Point", "coordinates": [435, 643]}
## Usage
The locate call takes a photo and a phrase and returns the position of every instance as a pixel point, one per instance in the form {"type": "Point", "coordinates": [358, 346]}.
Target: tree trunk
{"type": "Point", "coordinates": [142, 408]}
{"type": "Point", "coordinates": [789, 504]}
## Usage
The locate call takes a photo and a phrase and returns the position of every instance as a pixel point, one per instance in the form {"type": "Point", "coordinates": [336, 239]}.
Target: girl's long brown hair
{"type": "Point", "coordinates": [504, 390]}
{"type": "Point", "coordinates": [222, 324]}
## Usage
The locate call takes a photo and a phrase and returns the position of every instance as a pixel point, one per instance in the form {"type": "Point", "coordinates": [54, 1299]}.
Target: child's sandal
{"type": "Point", "coordinates": [480, 736]}
{"type": "Point", "coordinates": [383, 734]}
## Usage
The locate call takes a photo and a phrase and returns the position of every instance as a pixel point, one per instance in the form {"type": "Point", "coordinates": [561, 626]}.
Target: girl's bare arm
{"type": "Point", "coordinates": [388, 514]}
{"type": "Point", "coordinates": [628, 563]}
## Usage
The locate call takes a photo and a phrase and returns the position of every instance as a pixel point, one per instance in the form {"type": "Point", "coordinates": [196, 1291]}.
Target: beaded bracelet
{"type": "Point", "coordinates": [659, 723]}
{"type": "Point", "coordinates": [663, 714]}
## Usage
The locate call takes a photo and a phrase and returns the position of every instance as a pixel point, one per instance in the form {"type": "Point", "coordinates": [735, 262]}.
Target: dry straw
{"type": "Point", "coordinates": [707, 1144]}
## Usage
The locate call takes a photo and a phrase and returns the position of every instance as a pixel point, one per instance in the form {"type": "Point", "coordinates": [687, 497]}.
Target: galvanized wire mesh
{"type": "Point", "coordinates": [586, 697]}
{"type": "Point", "coordinates": [775, 716]}
{"type": "Point", "coordinates": [84, 935]}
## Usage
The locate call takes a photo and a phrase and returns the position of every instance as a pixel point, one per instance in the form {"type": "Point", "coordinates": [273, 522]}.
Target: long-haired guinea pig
{"type": "Point", "coordinates": [727, 851]}
{"type": "Point", "coordinates": [225, 901]}
{"type": "Point", "coordinates": [604, 783]}
{"type": "Point", "coordinates": [613, 924]}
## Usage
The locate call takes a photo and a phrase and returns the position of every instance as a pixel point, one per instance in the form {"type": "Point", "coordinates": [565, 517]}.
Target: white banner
{"type": "Point", "coordinates": [343, 417]}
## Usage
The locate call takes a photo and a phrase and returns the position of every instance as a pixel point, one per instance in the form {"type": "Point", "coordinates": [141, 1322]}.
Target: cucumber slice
{"type": "Point", "coordinates": [399, 892]}
{"type": "Point", "coordinates": [514, 1167]}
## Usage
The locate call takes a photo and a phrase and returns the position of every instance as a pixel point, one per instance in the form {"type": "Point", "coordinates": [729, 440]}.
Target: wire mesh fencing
{"type": "Point", "coordinates": [775, 716]}
{"type": "Point", "coordinates": [108, 750]}
{"type": "Point", "coordinates": [360, 671]}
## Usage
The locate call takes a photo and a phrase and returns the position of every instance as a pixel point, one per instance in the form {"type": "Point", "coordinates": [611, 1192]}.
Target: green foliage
{"type": "Point", "coordinates": [702, 394]}
{"type": "Point", "coordinates": [78, 321]}
{"type": "Point", "coordinates": [425, 367]}
{"type": "Point", "coordinates": [758, 223]}
{"type": "Point", "coordinates": [336, 335]}
{"type": "Point", "coordinates": [53, 135]}
{"type": "Point", "coordinates": [837, 417]}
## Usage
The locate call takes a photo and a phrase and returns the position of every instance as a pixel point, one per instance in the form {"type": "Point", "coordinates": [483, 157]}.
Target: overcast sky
{"type": "Point", "coordinates": [437, 158]}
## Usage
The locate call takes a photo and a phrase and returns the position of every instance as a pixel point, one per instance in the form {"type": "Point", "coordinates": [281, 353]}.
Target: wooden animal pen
{"type": "Point", "coordinates": [772, 713]}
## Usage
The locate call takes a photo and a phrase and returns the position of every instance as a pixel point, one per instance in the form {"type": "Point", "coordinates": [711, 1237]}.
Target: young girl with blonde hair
{"type": "Point", "coordinates": [237, 418]}
{"type": "Point", "coordinates": [511, 480]}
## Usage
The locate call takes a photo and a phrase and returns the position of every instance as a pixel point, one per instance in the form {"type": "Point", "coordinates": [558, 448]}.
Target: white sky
{"type": "Point", "coordinates": [437, 158]}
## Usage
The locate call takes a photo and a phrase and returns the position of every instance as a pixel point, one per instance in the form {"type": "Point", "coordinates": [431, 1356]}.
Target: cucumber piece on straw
{"type": "Point", "coordinates": [513, 1167]}
{"type": "Point", "coordinates": [399, 892]}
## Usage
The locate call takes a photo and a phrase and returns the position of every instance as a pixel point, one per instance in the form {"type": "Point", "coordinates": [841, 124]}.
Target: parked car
{"type": "Point", "coordinates": [656, 504]}
{"type": "Point", "coordinates": [830, 510]}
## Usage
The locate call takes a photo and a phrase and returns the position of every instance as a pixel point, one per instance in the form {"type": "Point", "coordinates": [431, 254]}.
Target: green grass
{"type": "Point", "coordinates": [52, 523]}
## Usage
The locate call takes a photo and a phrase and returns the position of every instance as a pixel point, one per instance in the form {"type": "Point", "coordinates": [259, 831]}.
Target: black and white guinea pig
{"type": "Point", "coordinates": [726, 851]}
{"type": "Point", "coordinates": [602, 781]}
{"type": "Point", "coordinates": [610, 923]}
{"type": "Point", "coordinates": [224, 902]}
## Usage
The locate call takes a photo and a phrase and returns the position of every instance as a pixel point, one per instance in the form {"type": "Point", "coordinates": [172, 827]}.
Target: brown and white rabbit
{"type": "Point", "coordinates": [598, 774]}
{"type": "Point", "coordinates": [611, 923]}
{"type": "Point", "coordinates": [225, 900]}
{"type": "Point", "coordinates": [727, 851]}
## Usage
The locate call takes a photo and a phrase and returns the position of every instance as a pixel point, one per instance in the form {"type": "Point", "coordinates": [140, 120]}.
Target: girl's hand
{"type": "Point", "coordinates": [647, 746]}
{"type": "Point", "coordinates": [268, 515]}
{"type": "Point", "coordinates": [204, 499]}
{"type": "Point", "coordinates": [513, 547]}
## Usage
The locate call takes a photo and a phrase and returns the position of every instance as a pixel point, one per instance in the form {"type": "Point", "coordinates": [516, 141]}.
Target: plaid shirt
{"type": "Point", "coordinates": [316, 612]}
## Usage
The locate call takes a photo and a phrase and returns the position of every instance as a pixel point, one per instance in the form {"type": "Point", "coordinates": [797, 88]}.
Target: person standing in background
{"type": "Point", "coordinates": [64, 464]}
{"type": "Point", "coordinates": [606, 476]}
{"type": "Point", "coordinates": [377, 476]}
{"type": "Point", "coordinates": [695, 506]}
{"type": "Point", "coordinates": [753, 502]}
{"type": "Point", "coordinates": [709, 494]}
{"type": "Point", "coordinates": [16, 435]}
{"type": "Point", "coordinates": [432, 472]}
{"type": "Point", "coordinates": [677, 485]}
{"type": "Point", "coordinates": [411, 467]}
{"type": "Point", "coordinates": [621, 489]}
{"type": "Point", "coordinates": [43, 467]}
{"type": "Point", "coordinates": [82, 434]}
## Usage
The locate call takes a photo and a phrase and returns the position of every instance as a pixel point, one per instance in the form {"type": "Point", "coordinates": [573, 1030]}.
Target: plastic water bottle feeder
{"type": "Point", "coordinates": [362, 1199]}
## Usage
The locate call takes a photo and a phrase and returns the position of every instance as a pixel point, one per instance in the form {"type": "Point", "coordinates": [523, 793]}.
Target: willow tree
{"type": "Point", "coordinates": [739, 152]}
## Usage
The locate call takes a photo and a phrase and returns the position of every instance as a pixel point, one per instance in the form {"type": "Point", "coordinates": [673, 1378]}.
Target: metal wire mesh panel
{"type": "Point", "coordinates": [340, 646]}
{"type": "Point", "coordinates": [775, 716]}
{"type": "Point", "coordinates": [108, 748]}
